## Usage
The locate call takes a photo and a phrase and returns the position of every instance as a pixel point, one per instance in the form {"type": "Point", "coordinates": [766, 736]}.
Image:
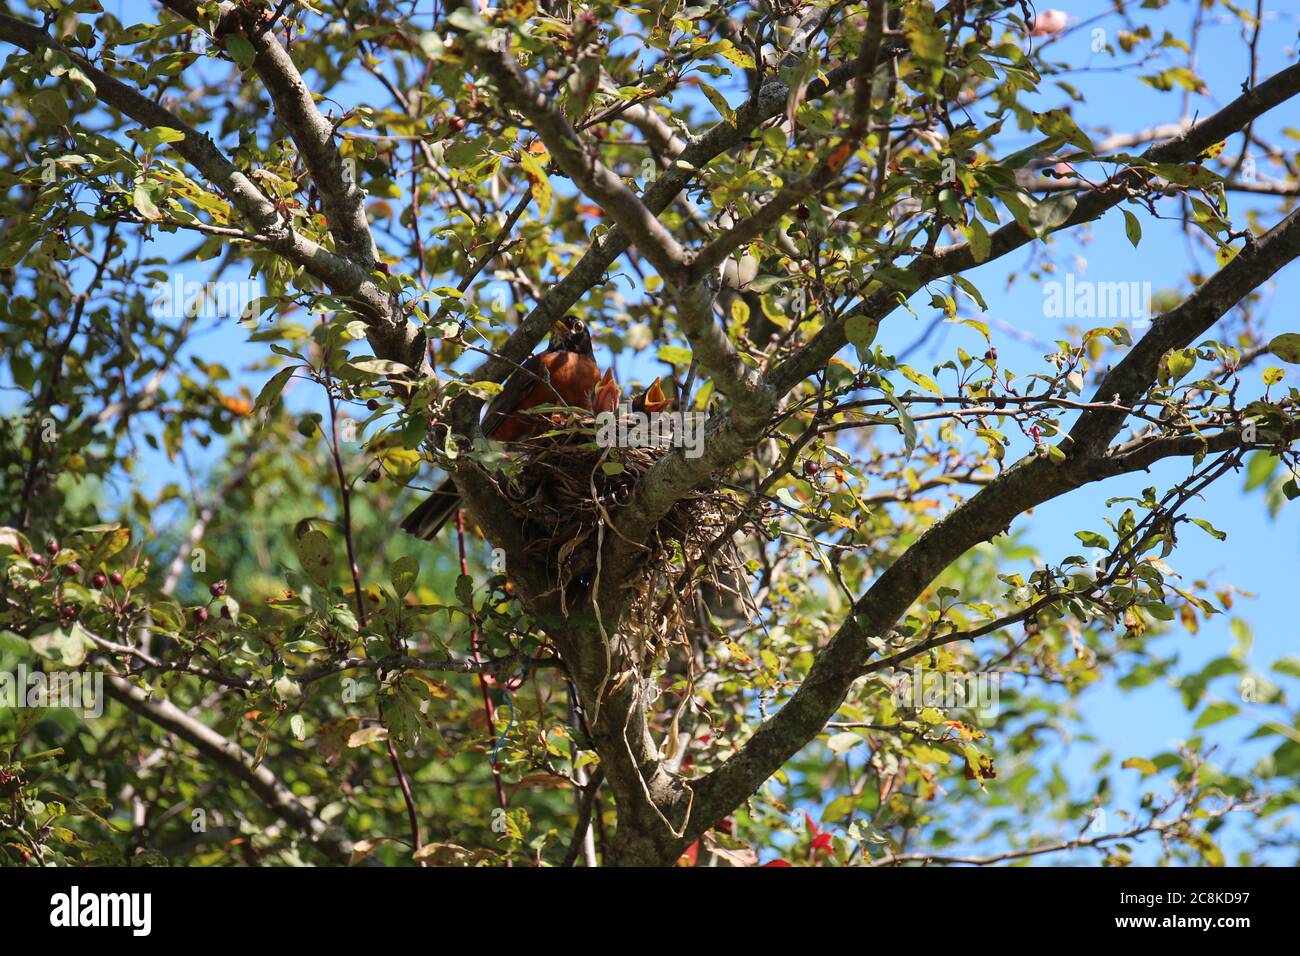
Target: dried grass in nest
{"type": "Point", "coordinates": [567, 501]}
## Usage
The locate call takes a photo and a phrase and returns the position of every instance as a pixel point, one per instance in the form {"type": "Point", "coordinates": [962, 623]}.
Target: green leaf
{"type": "Point", "coordinates": [1178, 362]}
{"type": "Point", "coordinates": [1259, 469]}
{"type": "Point", "coordinates": [50, 106]}
{"type": "Point", "coordinates": [1052, 213]}
{"type": "Point", "coordinates": [1091, 539]}
{"type": "Point", "coordinates": [272, 389]}
{"type": "Point", "coordinates": [906, 422]}
{"type": "Point", "coordinates": [241, 50]}
{"type": "Point", "coordinates": [14, 540]}
{"type": "Point", "coordinates": [464, 18]}
{"type": "Point", "coordinates": [719, 103]}
{"type": "Point", "coordinates": [730, 52]}
{"type": "Point", "coordinates": [674, 355]}
{"type": "Point", "coordinates": [143, 200]}
{"type": "Point", "coordinates": [920, 378]}
{"type": "Point", "coordinates": [1286, 347]}
{"type": "Point", "coordinates": [11, 643]}
{"type": "Point", "coordinates": [1209, 528]}
{"type": "Point", "coordinates": [926, 41]}
{"type": "Point", "coordinates": [978, 237]}
{"type": "Point", "coordinates": [763, 284]}
{"type": "Point", "coordinates": [839, 808]}
{"type": "Point", "coordinates": [377, 366]}
{"type": "Point", "coordinates": [1214, 713]}
{"type": "Point", "coordinates": [1060, 123]}
{"type": "Point", "coordinates": [405, 571]}
{"type": "Point", "coordinates": [316, 556]}
{"type": "Point", "coordinates": [157, 136]}
{"type": "Point", "coordinates": [861, 331]}
{"type": "Point", "coordinates": [970, 289]}
{"type": "Point", "coordinates": [1141, 765]}
{"type": "Point", "coordinates": [1132, 228]}
{"type": "Point", "coordinates": [844, 742]}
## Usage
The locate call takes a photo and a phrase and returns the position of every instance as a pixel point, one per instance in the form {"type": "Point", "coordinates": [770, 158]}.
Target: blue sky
{"type": "Point", "coordinates": [1260, 553]}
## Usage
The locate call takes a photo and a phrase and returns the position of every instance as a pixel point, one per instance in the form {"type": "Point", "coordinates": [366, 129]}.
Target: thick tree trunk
{"type": "Point", "coordinates": [642, 839]}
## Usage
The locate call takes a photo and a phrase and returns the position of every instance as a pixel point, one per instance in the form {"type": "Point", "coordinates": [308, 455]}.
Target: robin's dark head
{"type": "Point", "coordinates": [570, 335]}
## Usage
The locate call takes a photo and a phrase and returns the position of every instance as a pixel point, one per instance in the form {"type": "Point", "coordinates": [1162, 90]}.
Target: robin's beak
{"type": "Point", "coordinates": [652, 399]}
{"type": "Point", "coordinates": [561, 328]}
{"type": "Point", "coordinates": [606, 393]}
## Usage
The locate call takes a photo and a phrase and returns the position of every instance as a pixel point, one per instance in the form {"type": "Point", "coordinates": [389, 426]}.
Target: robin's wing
{"type": "Point", "coordinates": [516, 389]}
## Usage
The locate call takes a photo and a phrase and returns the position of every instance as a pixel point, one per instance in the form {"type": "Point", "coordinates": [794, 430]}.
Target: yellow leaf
{"type": "Point", "coordinates": [237, 405]}
{"type": "Point", "coordinates": [535, 169]}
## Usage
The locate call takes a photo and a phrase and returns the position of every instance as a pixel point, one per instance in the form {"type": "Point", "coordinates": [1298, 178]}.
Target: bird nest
{"type": "Point", "coordinates": [567, 495]}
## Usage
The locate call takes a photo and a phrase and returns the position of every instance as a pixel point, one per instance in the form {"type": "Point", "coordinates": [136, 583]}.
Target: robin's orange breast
{"type": "Point", "coordinates": [565, 378]}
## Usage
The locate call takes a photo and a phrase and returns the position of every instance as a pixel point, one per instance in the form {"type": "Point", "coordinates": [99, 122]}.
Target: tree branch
{"type": "Point", "coordinates": [1030, 482]}
{"type": "Point", "coordinates": [1176, 329]}
{"type": "Point", "coordinates": [389, 334]}
{"type": "Point", "coordinates": [1091, 204]}
{"type": "Point", "coordinates": [341, 197]}
{"type": "Point", "coordinates": [236, 761]}
{"type": "Point", "coordinates": [566, 148]}
{"type": "Point", "coordinates": [713, 255]}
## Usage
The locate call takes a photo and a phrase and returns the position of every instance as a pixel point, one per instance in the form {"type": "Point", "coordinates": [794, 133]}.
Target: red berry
{"type": "Point", "coordinates": [200, 615]}
{"type": "Point", "coordinates": [373, 405]}
{"type": "Point", "coordinates": [217, 588]}
{"type": "Point", "coordinates": [52, 546]}
{"type": "Point", "coordinates": [71, 568]}
{"type": "Point", "coordinates": [811, 468]}
{"type": "Point", "coordinates": [37, 560]}
{"type": "Point", "coordinates": [457, 123]}
{"type": "Point", "coordinates": [802, 212]}
{"type": "Point", "coordinates": [116, 578]}
{"type": "Point", "coordinates": [382, 267]}
{"type": "Point", "coordinates": [99, 580]}
{"type": "Point", "coordinates": [68, 612]}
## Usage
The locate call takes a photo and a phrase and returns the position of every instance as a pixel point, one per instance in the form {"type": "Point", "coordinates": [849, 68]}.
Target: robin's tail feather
{"type": "Point", "coordinates": [427, 520]}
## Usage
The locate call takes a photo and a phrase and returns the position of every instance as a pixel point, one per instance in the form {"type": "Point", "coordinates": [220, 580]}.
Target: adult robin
{"type": "Point", "coordinates": [564, 374]}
